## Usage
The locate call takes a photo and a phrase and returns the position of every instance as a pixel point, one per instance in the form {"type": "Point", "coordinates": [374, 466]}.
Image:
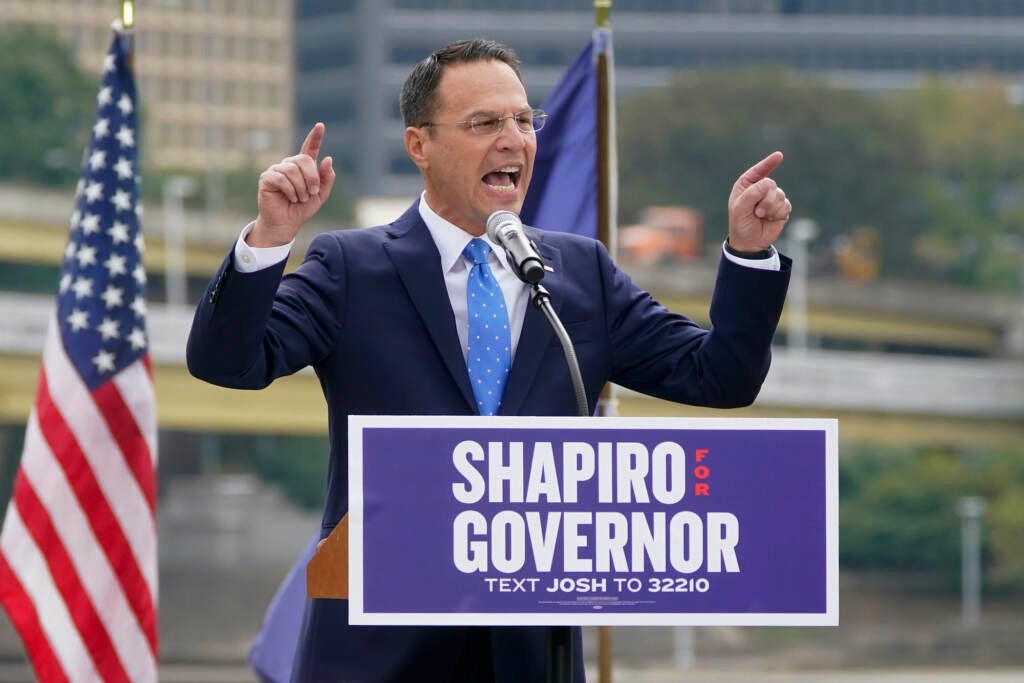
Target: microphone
{"type": "Point", "coordinates": [505, 228]}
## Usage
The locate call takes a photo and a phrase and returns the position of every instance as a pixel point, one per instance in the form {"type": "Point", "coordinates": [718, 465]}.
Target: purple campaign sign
{"type": "Point", "coordinates": [611, 521]}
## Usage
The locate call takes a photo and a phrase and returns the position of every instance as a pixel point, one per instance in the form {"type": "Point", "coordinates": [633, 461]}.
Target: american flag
{"type": "Point", "coordinates": [78, 557]}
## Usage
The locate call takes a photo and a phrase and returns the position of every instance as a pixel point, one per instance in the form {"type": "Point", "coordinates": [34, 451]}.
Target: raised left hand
{"type": "Point", "coordinates": [758, 208]}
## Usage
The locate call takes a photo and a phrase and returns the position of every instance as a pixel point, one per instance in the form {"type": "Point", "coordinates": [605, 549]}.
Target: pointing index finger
{"type": "Point", "coordinates": [761, 169]}
{"type": "Point", "coordinates": [311, 145]}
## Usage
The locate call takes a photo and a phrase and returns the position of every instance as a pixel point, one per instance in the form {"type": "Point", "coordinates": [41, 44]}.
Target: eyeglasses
{"type": "Point", "coordinates": [489, 123]}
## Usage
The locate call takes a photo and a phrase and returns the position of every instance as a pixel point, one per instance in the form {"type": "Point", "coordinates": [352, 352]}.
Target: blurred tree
{"type": "Point", "coordinates": [12, 440]}
{"type": "Point", "coordinates": [850, 161]}
{"type": "Point", "coordinates": [296, 464]}
{"type": "Point", "coordinates": [46, 102]}
{"type": "Point", "coordinates": [973, 191]}
{"type": "Point", "coordinates": [897, 513]}
{"type": "Point", "coordinates": [1006, 517]}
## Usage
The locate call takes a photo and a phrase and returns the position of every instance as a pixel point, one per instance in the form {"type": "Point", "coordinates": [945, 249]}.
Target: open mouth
{"type": "Point", "coordinates": [504, 179]}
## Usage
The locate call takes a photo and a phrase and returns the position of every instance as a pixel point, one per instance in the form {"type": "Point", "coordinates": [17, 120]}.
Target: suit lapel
{"type": "Point", "coordinates": [415, 257]}
{"type": "Point", "coordinates": [536, 335]}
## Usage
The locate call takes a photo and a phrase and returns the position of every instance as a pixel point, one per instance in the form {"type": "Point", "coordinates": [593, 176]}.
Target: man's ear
{"type": "Point", "coordinates": [416, 139]}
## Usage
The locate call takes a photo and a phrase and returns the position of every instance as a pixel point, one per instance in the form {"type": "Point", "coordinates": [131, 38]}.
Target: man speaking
{"type": "Point", "coordinates": [427, 316]}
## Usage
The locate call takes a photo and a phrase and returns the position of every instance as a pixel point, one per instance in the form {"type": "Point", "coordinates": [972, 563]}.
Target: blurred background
{"type": "Point", "coordinates": [902, 122]}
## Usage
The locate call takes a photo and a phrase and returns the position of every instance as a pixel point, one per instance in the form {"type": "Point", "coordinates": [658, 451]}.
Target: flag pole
{"type": "Point", "coordinates": [607, 228]}
{"type": "Point", "coordinates": [607, 180]}
{"type": "Point", "coordinates": [607, 159]}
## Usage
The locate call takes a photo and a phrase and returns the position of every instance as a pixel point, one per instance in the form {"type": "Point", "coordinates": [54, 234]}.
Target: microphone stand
{"type": "Point", "coordinates": [541, 299]}
{"type": "Point", "coordinates": [560, 641]}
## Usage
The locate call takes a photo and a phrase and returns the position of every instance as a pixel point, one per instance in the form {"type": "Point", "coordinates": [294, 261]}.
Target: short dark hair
{"type": "Point", "coordinates": [419, 99]}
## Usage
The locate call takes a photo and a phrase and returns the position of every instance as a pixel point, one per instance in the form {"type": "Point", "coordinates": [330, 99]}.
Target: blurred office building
{"type": "Point", "coordinates": [215, 76]}
{"type": "Point", "coordinates": [221, 90]}
{"type": "Point", "coordinates": [352, 55]}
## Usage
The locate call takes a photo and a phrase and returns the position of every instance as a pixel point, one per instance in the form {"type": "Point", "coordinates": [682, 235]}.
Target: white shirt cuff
{"type": "Point", "coordinates": [250, 259]}
{"type": "Point", "coordinates": [770, 263]}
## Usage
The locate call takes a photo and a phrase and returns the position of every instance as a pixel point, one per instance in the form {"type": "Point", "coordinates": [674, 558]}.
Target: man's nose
{"type": "Point", "coordinates": [510, 136]}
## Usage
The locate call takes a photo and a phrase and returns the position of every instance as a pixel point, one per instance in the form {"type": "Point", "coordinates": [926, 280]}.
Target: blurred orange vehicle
{"type": "Point", "coordinates": [664, 234]}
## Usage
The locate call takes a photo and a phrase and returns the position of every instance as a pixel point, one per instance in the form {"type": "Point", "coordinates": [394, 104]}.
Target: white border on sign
{"type": "Point", "coordinates": [357, 615]}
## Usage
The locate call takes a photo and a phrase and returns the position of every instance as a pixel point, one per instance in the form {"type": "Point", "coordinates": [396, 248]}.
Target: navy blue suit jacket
{"type": "Point", "coordinates": [369, 311]}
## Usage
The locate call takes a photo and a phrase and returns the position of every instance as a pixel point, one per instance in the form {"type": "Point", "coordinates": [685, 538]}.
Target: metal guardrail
{"type": "Point", "coordinates": [812, 378]}
{"type": "Point", "coordinates": [26, 317]}
{"type": "Point", "coordinates": [896, 384]}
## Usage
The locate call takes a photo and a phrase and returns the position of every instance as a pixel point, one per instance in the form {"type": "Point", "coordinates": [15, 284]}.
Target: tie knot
{"type": "Point", "coordinates": [477, 251]}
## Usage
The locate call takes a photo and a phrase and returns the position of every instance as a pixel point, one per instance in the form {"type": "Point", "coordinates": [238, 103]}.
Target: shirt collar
{"type": "Point", "coordinates": [451, 239]}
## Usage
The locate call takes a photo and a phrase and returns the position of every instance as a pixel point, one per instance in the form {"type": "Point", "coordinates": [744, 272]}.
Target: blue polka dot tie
{"type": "Point", "coordinates": [489, 355]}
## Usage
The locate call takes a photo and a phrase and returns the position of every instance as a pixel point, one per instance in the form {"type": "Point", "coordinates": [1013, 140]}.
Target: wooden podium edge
{"type": "Point", "coordinates": [327, 570]}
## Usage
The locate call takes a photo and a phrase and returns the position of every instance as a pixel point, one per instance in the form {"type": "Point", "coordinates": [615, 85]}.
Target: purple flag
{"type": "Point", "coordinates": [563, 189]}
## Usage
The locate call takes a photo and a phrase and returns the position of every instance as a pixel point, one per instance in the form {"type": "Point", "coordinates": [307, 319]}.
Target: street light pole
{"type": "Point", "coordinates": [683, 647]}
{"type": "Point", "coordinates": [174, 192]}
{"type": "Point", "coordinates": [801, 232]}
{"type": "Point", "coordinates": [971, 510]}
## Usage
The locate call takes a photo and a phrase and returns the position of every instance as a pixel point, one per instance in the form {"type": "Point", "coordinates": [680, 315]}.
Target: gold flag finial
{"type": "Point", "coordinates": [127, 14]}
{"type": "Point", "coordinates": [602, 10]}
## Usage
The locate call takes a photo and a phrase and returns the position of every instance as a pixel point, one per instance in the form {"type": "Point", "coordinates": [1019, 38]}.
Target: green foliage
{"type": "Point", "coordinates": [46, 103]}
{"type": "Point", "coordinates": [973, 190]}
{"type": "Point", "coordinates": [299, 466]}
{"type": "Point", "coordinates": [12, 440]}
{"type": "Point", "coordinates": [898, 512]}
{"type": "Point", "coordinates": [850, 161]}
{"type": "Point", "coordinates": [295, 464]}
{"type": "Point", "coordinates": [1007, 518]}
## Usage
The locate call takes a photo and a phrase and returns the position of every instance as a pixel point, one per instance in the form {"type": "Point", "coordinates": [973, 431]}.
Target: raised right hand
{"type": "Point", "coordinates": [291, 192]}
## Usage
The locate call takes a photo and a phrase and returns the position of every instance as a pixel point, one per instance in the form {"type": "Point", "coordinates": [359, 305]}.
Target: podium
{"type": "Point", "coordinates": [567, 520]}
{"type": "Point", "coordinates": [327, 571]}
